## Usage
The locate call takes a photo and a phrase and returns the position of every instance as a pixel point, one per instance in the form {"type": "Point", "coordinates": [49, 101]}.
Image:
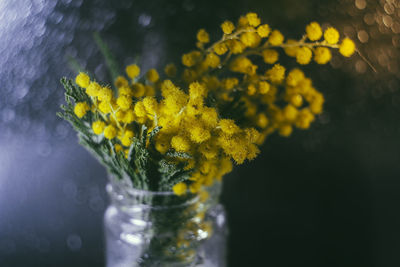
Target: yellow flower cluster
{"type": "Point", "coordinates": [217, 118]}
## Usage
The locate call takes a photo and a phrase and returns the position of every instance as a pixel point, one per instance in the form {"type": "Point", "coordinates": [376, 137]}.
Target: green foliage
{"type": "Point", "coordinates": [146, 167]}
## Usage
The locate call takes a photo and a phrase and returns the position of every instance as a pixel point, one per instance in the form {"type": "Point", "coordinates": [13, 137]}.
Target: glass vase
{"type": "Point", "coordinates": [144, 228]}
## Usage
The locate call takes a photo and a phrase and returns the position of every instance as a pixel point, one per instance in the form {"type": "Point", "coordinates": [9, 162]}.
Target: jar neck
{"type": "Point", "coordinates": [130, 200]}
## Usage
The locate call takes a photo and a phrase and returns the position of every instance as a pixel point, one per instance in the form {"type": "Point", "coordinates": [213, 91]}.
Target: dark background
{"type": "Point", "coordinates": [328, 196]}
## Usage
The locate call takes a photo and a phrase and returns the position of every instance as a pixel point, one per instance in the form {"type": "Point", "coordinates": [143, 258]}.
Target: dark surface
{"type": "Point", "coordinates": [324, 197]}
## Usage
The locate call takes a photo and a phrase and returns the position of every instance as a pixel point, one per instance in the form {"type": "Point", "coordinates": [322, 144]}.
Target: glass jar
{"type": "Point", "coordinates": [144, 228]}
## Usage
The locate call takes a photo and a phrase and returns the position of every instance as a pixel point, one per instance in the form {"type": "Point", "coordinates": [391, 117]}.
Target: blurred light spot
{"type": "Point", "coordinates": [369, 19]}
{"type": "Point", "coordinates": [144, 20]}
{"type": "Point", "coordinates": [131, 238]}
{"type": "Point", "coordinates": [8, 115]}
{"type": "Point", "coordinates": [74, 242]}
{"type": "Point", "coordinates": [349, 31]}
{"type": "Point", "coordinates": [361, 66]}
{"type": "Point", "coordinates": [336, 62]}
{"type": "Point", "coordinates": [96, 203]}
{"type": "Point", "coordinates": [363, 36]}
{"type": "Point", "coordinates": [396, 41]}
{"type": "Point", "coordinates": [383, 59]}
{"type": "Point", "coordinates": [80, 196]}
{"type": "Point", "coordinates": [389, 8]}
{"type": "Point", "coordinates": [44, 149]}
{"type": "Point", "coordinates": [361, 4]}
{"type": "Point", "coordinates": [396, 27]}
{"type": "Point", "coordinates": [61, 130]}
{"type": "Point", "coordinates": [388, 21]}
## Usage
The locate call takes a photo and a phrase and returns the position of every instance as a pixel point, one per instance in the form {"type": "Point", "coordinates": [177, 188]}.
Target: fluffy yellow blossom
{"type": "Point", "coordinates": [347, 47]}
{"type": "Point", "coordinates": [304, 119]}
{"type": "Point", "coordinates": [251, 89]}
{"type": "Point", "coordinates": [119, 115]}
{"type": "Point", "coordinates": [253, 19]}
{"type": "Point", "coordinates": [195, 187]}
{"type": "Point", "coordinates": [180, 143]}
{"type": "Point", "coordinates": [227, 27]}
{"type": "Point", "coordinates": [209, 150]}
{"type": "Point", "coordinates": [263, 87]}
{"type": "Point", "coordinates": [124, 102]}
{"type": "Point", "coordinates": [243, 65]}
{"type": "Point", "coordinates": [104, 107]}
{"type": "Point", "coordinates": [179, 189]}
{"type": "Point", "coordinates": [132, 71]}
{"type": "Point", "coordinates": [276, 38]}
{"type": "Point", "coordinates": [303, 55]}
{"type": "Point", "coordinates": [199, 134]}
{"type": "Point", "coordinates": [243, 21]}
{"type": "Point", "coordinates": [263, 30]}
{"type": "Point", "coordinates": [162, 143]}
{"type": "Point", "coordinates": [129, 116]}
{"type": "Point", "coordinates": [294, 77]}
{"type": "Point", "coordinates": [313, 31]}
{"type": "Point", "coordinates": [126, 91]}
{"type": "Point", "coordinates": [322, 55]}
{"type": "Point", "coordinates": [290, 112]}
{"type": "Point", "coordinates": [127, 138]}
{"type": "Point", "coordinates": [93, 89]}
{"type": "Point", "coordinates": [212, 60]}
{"type": "Point", "coordinates": [236, 46]}
{"type": "Point", "coordinates": [194, 107]}
{"type": "Point", "coordinates": [152, 75]}
{"type": "Point", "coordinates": [331, 35]}
{"type": "Point", "coordinates": [110, 132]}
{"type": "Point", "coordinates": [98, 127]}
{"type": "Point", "coordinates": [121, 81]}
{"type": "Point", "coordinates": [170, 70]}
{"type": "Point", "coordinates": [252, 134]}
{"type": "Point", "coordinates": [276, 74]}
{"type": "Point", "coordinates": [138, 90]}
{"type": "Point", "coordinates": [220, 48]}
{"type": "Point", "coordinates": [292, 50]}
{"type": "Point", "coordinates": [296, 100]}
{"type": "Point", "coordinates": [118, 148]}
{"type": "Point", "coordinates": [196, 90]}
{"type": "Point", "coordinates": [81, 108]}
{"type": "Point", "coordinates": [228, 126]}
{"type": "Point", "coordinates": [203, 36]}
{"type": "Point", "coordinates": [105, 94]}
{"type": "Point", "coordinates": [262, 120]}
{"type": "Point", "coordinates": [230, 83]}
{"type": "Point", "coordinates": [150, 104]}
{"type": "Point", "coordinates": [174, 100]}
{"type": "Point", "coordinates": [250, 39]}
{"type": "Point", "coordinates": [209, 117]}
{"type": "Point", "coordinates": [82, 79]}
{"type": "Point", "coordinates": [285, 130]}
{"type": "Point", "coordinates": [190, 59]}
{"type": "Point", "coordinates": [140, 110]}
{"type": "Point", "coordinates": [270, 56]}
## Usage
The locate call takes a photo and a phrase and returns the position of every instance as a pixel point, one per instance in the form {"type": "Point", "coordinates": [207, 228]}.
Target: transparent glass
{"type": "Point", "coordinates": [144, 228]}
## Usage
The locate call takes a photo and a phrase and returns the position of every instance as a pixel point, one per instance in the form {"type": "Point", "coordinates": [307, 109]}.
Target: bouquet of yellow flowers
{"type": "Point", "coordinates": [182, 130]}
